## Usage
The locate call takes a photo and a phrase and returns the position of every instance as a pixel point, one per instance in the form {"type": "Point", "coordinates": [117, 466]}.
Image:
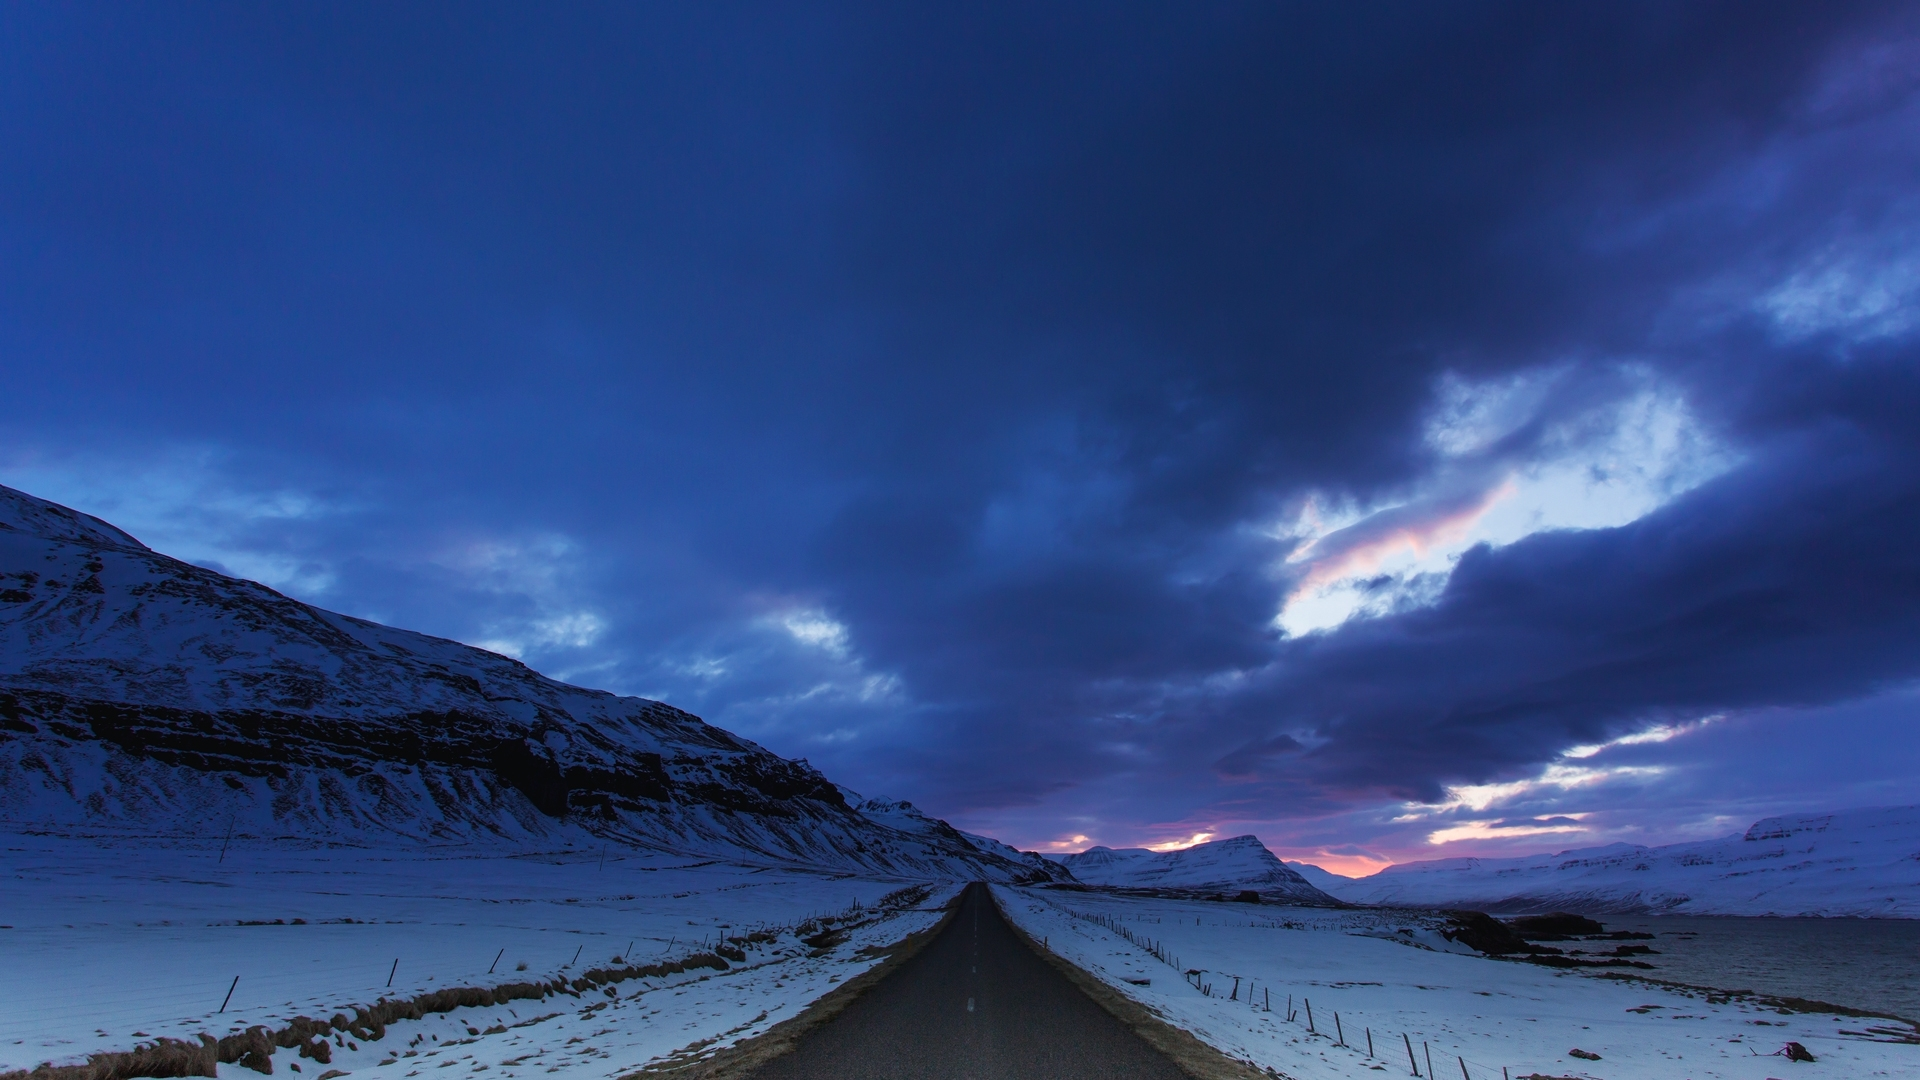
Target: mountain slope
{"type": "Point", "coordinates": [1325, 880]}
{"type": "Point", "coordinates": [907, 819]}
{"type": "Point", "coordinates": [1227, 867]}
{"type": "Point", "coordinates": [1042, 868]}
{"type": "Point", "coordinates": [1851, 863]}
{"type": "Point", "coordinates": [141, 692]}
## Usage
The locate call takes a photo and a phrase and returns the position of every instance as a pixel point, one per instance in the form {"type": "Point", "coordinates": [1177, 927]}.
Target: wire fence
{"type": "Point", "coordinates": [1257, 994]}
{"type": "Point", "coordinates": [103, 993]}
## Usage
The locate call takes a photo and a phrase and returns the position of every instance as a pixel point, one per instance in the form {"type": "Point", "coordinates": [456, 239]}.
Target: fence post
{"type": "Point", "coordinates": [1411, 1063]}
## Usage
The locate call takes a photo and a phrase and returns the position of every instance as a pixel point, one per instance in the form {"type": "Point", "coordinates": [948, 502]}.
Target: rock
{"type": "Point", "coordinates": [1555, 926]}
{"type": "Point", "coordinates": [1481, 931]}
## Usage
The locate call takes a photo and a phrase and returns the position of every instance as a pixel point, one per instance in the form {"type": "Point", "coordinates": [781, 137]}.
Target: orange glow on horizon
{"type": "Point", "coordinates": [1353, 866]}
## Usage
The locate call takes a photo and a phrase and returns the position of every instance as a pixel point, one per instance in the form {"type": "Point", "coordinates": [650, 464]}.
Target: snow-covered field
{"type": "Point", "coordinates": [1465, 1011]}
{"type": "Point", "coordinates": [113, 941]}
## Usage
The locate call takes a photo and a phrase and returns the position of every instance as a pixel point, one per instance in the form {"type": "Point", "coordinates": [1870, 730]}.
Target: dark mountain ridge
{"type": "Point", "coordinates": [141, 692]}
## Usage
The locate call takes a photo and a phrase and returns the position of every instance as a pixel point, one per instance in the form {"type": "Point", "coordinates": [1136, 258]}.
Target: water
{"type": "Point", "coordinates": [1870, 964]}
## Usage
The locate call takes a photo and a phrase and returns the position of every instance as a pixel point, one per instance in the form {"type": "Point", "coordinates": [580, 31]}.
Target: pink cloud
{"type": "Point", "coordinates": [1362, 548]}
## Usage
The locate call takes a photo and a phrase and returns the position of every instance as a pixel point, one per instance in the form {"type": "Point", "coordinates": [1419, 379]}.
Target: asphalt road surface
{"type": "Point", "coordinates": [974, 1004]}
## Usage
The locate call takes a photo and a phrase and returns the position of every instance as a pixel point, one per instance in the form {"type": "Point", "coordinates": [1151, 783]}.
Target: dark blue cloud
{"type": "Point", "coordinates": [929, 393]}
{"type": "Point", "coordinates": [1791, 581]}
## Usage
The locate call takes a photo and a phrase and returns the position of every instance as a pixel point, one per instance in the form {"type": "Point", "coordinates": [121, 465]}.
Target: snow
{"type": "Point", "coordinates": [1465, 1010]}
{"type": "Point", "coordinates": [1044, 869]}
{"type": "Point", "coordinates": [1863, 863]}
{"type": "Point", "coordinates": [1325, 880]}
{"type": "Point", "coordinates": [202, 779]}
{"type": "Point", "coordinates": [1231, 866]}
{"type": "Point", "coordinates": [209, 788]}
{"type": "Point", "coordinates": [141, 692]}
{"type": "Point", "coordinates": [109, 943]}
{"type": "Point", "coordinates": [38, 517]}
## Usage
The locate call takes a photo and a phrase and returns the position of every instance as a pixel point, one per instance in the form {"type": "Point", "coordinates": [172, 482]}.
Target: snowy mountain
{"type": "Point", "coordinates": [1226, 867]}
{"type": "Point", "coordinates": [1325, 880]}
{"type": "Point", "coordinates": [908, 819]}
{"type": "Point", "coordinates": [1043, 868]}
{"type": "Point", "coordinates": [139, 693]}
{"type": "Point", "coordinates": [1851, 863]}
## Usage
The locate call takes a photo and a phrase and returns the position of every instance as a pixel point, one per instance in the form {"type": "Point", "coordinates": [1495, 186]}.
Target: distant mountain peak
{"type": "Point", "coordinates": [1243, 840]}
{"type": "Point", "coordinates": [1845, 863]}
{"type": "Point", "coordinates": [1220, 867]}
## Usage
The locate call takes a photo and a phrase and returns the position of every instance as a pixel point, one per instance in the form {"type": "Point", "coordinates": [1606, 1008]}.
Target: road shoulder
{"type": "Point", "coordinates": [745, 1058]}
{"type": "Point", "coordinates": [1186, 1051]}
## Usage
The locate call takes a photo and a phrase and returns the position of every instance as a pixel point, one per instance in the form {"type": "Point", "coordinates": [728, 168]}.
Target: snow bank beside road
{"type": "Point", "coordinates": [113, 944]}
{"type": "Point", "coordinates": [1484, 1013]}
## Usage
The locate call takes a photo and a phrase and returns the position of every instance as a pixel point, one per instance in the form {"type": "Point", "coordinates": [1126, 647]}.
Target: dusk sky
{"type": "Point", "coordinates": [1397, 431]}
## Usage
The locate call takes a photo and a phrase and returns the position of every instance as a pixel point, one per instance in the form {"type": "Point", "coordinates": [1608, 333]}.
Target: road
{"type": "Point", "coordinates": [974, 1004]}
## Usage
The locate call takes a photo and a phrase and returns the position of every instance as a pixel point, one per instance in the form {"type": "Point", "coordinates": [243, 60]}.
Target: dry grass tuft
{"type": "Point", "coordinates": [253, 1048]}
{"type": "Point", "coordinates": [163, 1057]}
